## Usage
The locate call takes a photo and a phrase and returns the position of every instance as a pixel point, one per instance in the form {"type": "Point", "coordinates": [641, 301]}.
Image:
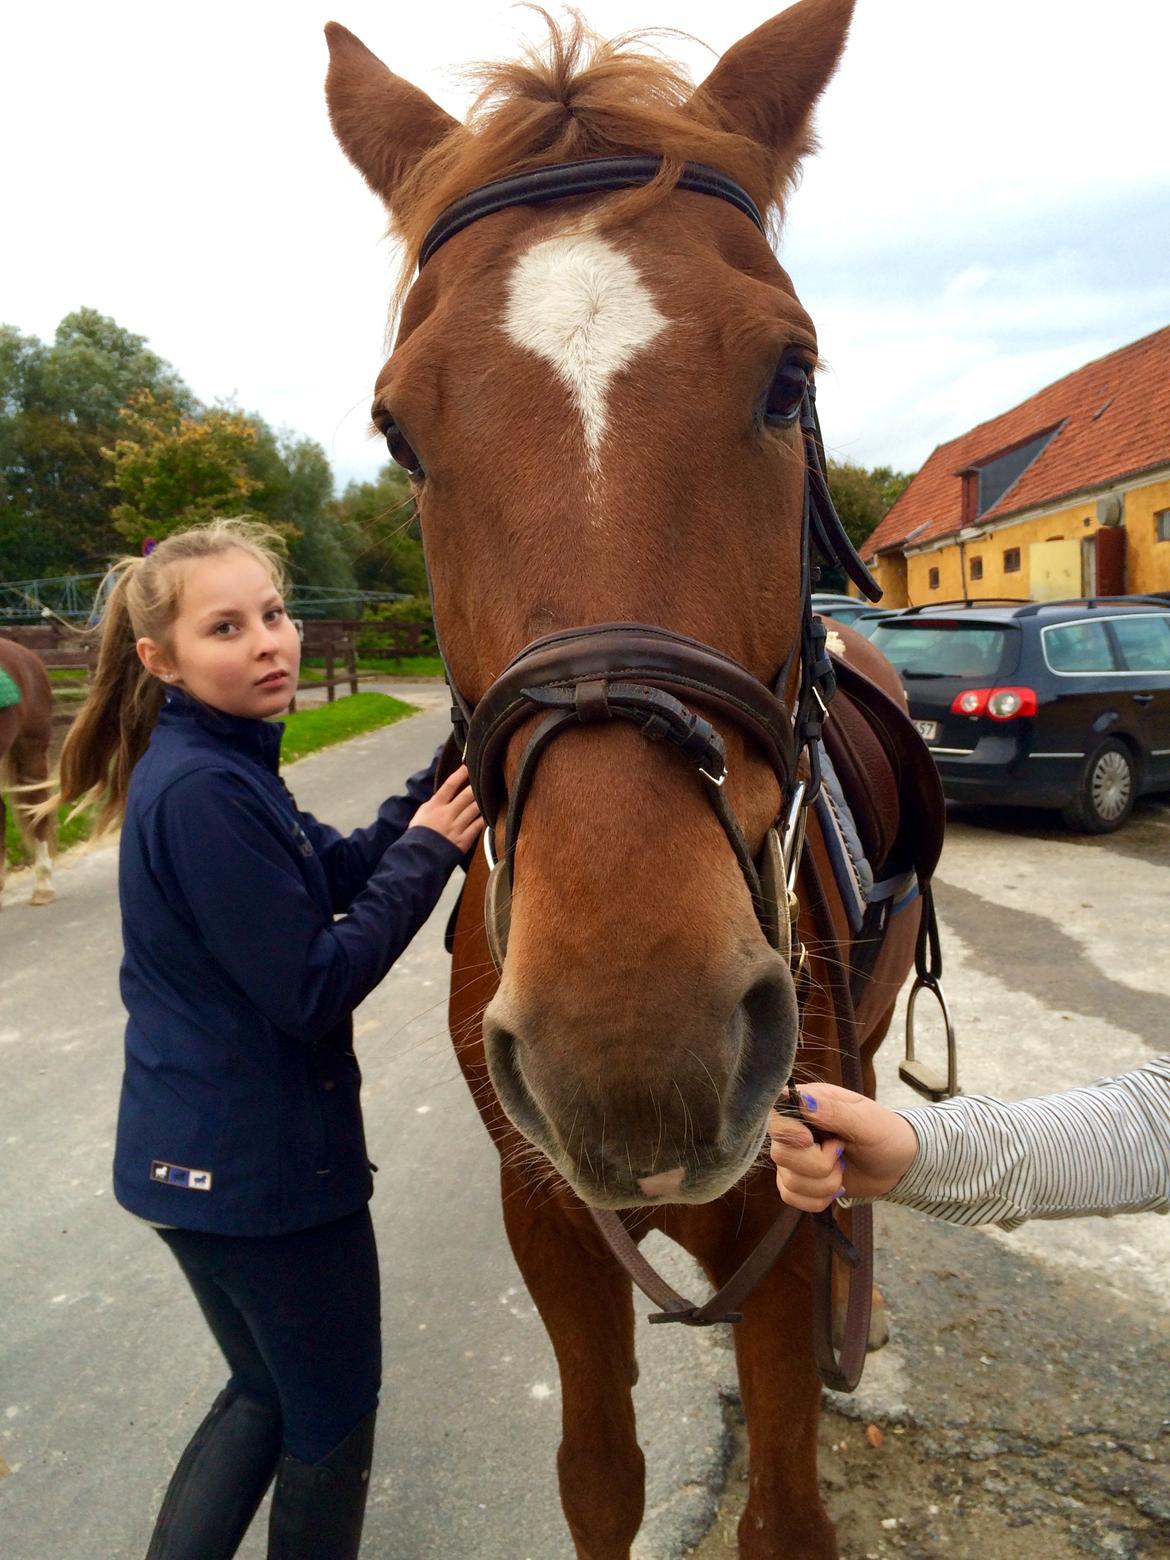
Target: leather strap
{"type": "Point", "coordinates": [841, 1371]}
{"type": "Point", "coordinates": [590, 176]}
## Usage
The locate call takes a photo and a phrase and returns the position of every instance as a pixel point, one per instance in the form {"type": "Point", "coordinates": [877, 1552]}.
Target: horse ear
{"type": "Point", "coordinates": [765, 86]}
{"type": "Point", "coordinates": [383, 123]}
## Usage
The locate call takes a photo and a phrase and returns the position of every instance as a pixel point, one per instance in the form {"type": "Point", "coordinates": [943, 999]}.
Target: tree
{"type": "Point", "coordinates": [174, 469]}
{"type": "Point", "coordinates": [59, 406]}
{"type": "Point", "coordinates": [380, 530]}
{"type": "Point", "coordinates": [295, 489]}
{"type": "Point", "coordinates": [861, 498]}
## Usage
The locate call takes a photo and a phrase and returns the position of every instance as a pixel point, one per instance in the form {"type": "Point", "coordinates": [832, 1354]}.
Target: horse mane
{"type": "Point", "coordinates": [581, 96]}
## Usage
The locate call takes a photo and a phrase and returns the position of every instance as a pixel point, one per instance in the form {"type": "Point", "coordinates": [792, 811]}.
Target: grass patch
{"type": "Point", "coordinates": [310, 730]}
{"type": "Point", "coordinates": [71, 832]}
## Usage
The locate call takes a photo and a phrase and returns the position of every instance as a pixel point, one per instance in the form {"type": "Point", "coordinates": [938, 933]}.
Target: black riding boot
{"type": "Point", "coordinates": [219, 1482]}
{"type": "Point", "coordinates": [318, 1508]}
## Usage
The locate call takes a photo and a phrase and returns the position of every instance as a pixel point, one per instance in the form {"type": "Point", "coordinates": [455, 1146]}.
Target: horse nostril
{"type": "Point", "coordinates": [499, 1043]}
{"type": "Point", "coordinates": [770, 1023]}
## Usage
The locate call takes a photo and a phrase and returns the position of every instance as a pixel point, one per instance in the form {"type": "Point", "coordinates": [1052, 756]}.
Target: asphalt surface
{"type": "Point", "coordinates": [105, 1365]}
{"type": "Point", "coordinates": [1031, 1370]}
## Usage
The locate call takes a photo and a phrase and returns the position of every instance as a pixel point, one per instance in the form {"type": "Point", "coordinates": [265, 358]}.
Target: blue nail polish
{"type": "Point", "coordinates": [809, 1103]}
{"type": "Point", "coordinates": [837, 1196]}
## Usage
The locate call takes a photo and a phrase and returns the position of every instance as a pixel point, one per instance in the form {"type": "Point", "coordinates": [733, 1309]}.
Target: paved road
{"type": "Point", "coordinates": [1024, 1397]}
{"type": "Point", "coordinates": [105, 1367]}
{"type": "Point", "coordinates": [1009, 1355]}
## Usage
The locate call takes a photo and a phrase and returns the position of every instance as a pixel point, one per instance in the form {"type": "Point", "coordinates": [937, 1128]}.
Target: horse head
{"type": "Point", "coordinates": [599, 399]}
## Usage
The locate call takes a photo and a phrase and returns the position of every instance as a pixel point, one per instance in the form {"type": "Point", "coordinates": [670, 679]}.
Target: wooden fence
{"type": "Point", "coordinates": [334, 641]}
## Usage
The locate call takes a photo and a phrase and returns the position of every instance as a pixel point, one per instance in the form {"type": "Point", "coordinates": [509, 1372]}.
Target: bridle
{"type": "Point", "coordinates": [648, 676]}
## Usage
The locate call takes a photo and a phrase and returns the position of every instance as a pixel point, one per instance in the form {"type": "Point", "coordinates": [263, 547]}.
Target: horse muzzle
{"type": "Point", "coordinates": [674, 1112]}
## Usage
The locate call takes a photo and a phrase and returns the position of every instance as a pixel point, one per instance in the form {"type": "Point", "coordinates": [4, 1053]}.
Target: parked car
{"type": "Point", "coordinates": [1047, 704]}
{"type": "Point", "coordinates": [846, 609]}
{"type": "Point", "coordinates": [866, 622]}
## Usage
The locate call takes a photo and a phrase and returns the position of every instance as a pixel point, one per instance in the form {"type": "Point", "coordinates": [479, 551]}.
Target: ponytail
{"type": "Point", "coordinates": [114, 724]}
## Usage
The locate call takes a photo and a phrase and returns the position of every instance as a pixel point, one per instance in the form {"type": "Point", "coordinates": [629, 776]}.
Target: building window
{"type": "Point", "coordinates": [932, 579]}
{"type": "Point", "coordinates": [1162, 524]}
{"type": "Point", "coordinates": [976, 568]}
{"type": "Point", "coordinates": [1011, 560]}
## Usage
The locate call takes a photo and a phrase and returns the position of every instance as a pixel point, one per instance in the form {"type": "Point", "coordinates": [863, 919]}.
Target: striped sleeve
{"type": "Point", "coordinates": [1103, 1149]}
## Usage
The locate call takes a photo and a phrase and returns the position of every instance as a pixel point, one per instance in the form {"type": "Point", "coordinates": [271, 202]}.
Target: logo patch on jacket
{"type": "Point", "coordinates": [180, 1175]}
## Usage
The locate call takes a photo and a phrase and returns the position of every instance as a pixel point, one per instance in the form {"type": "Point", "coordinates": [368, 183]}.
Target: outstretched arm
{"type": "Point", "coordinates": [1102, 1149]}
{"type": "Point", "coordinates": [349, 859]}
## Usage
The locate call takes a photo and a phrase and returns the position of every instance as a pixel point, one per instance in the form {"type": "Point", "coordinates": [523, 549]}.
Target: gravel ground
{"type": "Point", "coordinates": [1022, 1406]}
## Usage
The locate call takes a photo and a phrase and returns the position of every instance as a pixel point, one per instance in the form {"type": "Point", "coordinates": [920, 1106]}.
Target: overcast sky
{"type": "Point", "coordinates": [990, 207]}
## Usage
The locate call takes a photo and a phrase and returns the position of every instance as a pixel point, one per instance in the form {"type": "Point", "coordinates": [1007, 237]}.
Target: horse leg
{"type": "Point", "coordinates": [3, 847]}
{"type": "Point", "coordinates": [586, 1304]}
{"type": "Point", "coordinates": [9, 733]}
{"type": "Point", "coordinates": [784, 1518]}
{"type": "Point", "coordinates": [30, 763]}
{"type": "Point", "coordinates": [778, 1382]}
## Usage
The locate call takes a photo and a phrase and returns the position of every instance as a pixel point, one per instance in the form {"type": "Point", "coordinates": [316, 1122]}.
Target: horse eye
{"type": "Point", "coordinates": [401, 452]}
{"type": "Point", "coordinates": [786, 393]}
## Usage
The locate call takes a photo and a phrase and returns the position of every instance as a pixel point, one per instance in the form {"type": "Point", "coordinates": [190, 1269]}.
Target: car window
{"type": "Point", "coordinates": [1078, 647]}
{"type": "Point", "coordinates": [947, 649]}
{"type": "Point", "coordinates": [1145, 642]}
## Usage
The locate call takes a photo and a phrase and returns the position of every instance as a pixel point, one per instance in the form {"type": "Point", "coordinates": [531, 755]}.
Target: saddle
{"type": "Point", "coordinates": [9, 691]}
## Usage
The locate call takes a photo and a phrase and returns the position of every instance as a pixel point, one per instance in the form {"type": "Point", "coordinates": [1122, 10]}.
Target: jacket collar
{"type": "Point", "coordinates": [258, 739]}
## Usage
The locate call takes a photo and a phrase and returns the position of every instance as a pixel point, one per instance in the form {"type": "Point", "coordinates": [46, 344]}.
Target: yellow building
{"type": "Point", "coordinates": [1067, 494]}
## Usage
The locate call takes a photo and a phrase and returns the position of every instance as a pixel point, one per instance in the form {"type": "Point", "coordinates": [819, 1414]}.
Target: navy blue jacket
{"type": "Point", "coordinates": [240, 1111]}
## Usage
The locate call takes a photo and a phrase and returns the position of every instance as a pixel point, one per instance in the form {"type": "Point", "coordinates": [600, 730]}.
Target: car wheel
{"type": "Point", "coordinates": [1105, 792]}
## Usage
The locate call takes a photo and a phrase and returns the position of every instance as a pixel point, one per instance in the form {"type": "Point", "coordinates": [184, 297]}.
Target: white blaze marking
{"type": "Point", "coordinates": [580, 304]}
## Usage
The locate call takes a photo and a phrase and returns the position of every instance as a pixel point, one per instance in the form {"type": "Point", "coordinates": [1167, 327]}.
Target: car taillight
{"type": "Point", "coordinates": [999, 703]}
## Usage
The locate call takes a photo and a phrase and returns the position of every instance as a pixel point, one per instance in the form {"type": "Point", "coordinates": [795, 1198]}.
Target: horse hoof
{"type": "Point", "coordinates": [43, 896]}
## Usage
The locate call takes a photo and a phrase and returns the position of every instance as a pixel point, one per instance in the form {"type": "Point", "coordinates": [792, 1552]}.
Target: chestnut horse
{"type": "Point", "coordinates": [598, 398]}
{"type": "Point", "coordinates": [26, 729]}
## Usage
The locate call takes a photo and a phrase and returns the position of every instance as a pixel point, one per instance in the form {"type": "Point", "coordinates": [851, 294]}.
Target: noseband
{"type": "Point", "coordinates": [650, 677]}
{"type": "Point", "coordinates": [643, 673]}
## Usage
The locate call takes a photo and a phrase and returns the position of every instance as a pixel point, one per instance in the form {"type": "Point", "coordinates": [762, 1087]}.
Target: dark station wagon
{"type": "Point", "coordinates": [1047, 704]}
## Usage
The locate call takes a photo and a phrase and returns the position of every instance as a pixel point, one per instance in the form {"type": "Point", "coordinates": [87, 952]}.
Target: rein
{"type": "Point", "coordinates": [646, 675]}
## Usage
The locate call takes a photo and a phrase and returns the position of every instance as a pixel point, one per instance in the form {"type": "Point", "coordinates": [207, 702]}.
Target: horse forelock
{"type": "Point", "coordinates": [583, 96]}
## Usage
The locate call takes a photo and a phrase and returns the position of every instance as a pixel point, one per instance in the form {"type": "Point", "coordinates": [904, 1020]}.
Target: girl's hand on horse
{"type": "Point", "coordinates": [452, 812]}
{"type": "Point", "coordinates": [866, 1149]}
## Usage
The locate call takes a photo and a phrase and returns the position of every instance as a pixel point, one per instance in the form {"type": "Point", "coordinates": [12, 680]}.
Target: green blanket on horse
{"type": "Point", "coordinates": [9, 692]}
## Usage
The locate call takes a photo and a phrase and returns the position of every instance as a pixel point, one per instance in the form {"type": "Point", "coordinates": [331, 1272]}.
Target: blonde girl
{"type": "Point", "coordinates": [251, 932]}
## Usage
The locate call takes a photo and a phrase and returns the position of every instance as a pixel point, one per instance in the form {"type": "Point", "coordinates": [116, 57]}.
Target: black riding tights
{"type": "Point", "coordinates": [298, 1319]}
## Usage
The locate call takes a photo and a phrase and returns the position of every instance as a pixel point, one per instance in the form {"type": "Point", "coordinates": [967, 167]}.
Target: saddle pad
{"type": "Point", "coordinates": [9, 692]}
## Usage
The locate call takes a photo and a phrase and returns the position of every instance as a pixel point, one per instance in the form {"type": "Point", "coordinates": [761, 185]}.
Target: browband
{"type": "Point", "coordinates": [592, 176]}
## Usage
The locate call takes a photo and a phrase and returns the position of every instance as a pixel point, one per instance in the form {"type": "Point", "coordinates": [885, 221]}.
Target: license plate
{"type": "Point", "coordinates": [927, 729]}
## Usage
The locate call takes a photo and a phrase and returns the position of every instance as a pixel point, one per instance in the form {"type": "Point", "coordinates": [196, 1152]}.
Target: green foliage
{"type": "Point", "coordinates": [379, 528]}
{"type": "Point", "coordinates": [70, 831]}
{"type": "Point", "coordinates": [175, 469]}
{"type": "Point", "coordinates": [102, 445]}
{"type": "Point", "coordinates": [861, 498]}
{"type": "Point", "coordinates": [59, 406]}
{"type": "Point", "coordinates": [309, 730]}
{"type": "Point", "coordinates": [294, 491]}
{"type": "Point", "coordinates": [413, 610]}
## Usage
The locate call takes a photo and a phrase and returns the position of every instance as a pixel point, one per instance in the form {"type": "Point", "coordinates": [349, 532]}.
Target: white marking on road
{"type": "Point", "coordinates": [580, 304]}
{"type": "Point", "coordinates": [540, 1390]}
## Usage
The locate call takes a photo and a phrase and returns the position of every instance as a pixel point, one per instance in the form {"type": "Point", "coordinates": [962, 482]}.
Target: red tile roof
{"type": "Point", "coordinates": [1112, 418]}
